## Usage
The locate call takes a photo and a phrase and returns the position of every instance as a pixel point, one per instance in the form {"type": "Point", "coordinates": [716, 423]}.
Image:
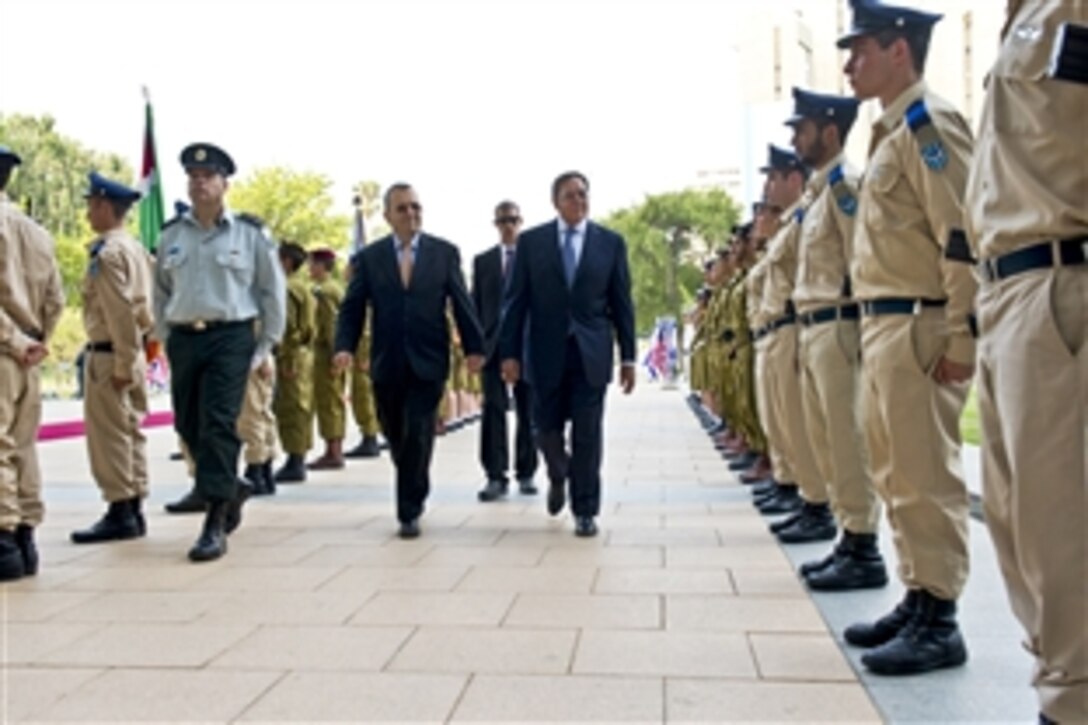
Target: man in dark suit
{"type": "Point", "coordinates": [571, 284]}
{"type": "Point", "coordinates": [490, 271]}
{"type": "Point", "coordinates": [408, 279]}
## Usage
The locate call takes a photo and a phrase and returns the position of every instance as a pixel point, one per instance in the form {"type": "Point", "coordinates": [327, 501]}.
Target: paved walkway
{"type": "Point", "coordinates": [684, 609]}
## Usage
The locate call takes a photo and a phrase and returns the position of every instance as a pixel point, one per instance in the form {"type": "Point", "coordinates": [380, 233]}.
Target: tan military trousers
{"type": "Point", "coordinates": [783, 394]}
{"type": "Point", "coordinates": [830, 376]}
{"type": "Point", "coordinates": [20, 414]}
{"type": "Point", "coordinates": [912, 426]}
{"type": "Point", "coordinates": [115, 443]}
{"type": "Point", "coordinates": [1033, 401]}
{"type": "Point", "coordinates": [256, 423]}
{"type": "Point", "coordinates": [781, 467]}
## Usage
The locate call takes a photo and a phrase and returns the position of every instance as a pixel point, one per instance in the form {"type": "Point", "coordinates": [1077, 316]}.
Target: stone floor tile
{"type": "Point", "coordinates": [342, 555]}
{"type": "Point", "coordinates": [27, 692]}
{"type": "Point", "coordinates": [314, 648]}
{"type": "Point", "coordinates": [173, 574]}
{"type": "Point", "coordinates": [776, 582]}
{"type": "Point", "coordinates": [663, 581]}
{"type": "Point", "coordinates": [148, 645]}
{"type": "Point", "coordinates": [665, 654]}
{"type": "Point", "coordinates": [741, 614]}
{"type": "Point", "coordinates": [673, 538]}
{"type": "Point", "coordinates": [435, 608]}
{"type": "Point", "coordinates": [746, 702]}
{"type": "Point", "coordinates": [597, 611]}
{"type": "Point", "coordinates": [49, 578]}
{"type": "Point", "coordinates": [455, 556]}
{"type": "Point", "coordinates": [806, 657]}
{"type": "Point", "coordinates": [614, 556]}
{"type": "Point", "coordinates": [23, 606]}
{"type": "Point", "coordinates": [285, 607]}
{"type": "Point", "coordinates": [242, 578]}
{"type": "Point", "coordinates": [131, 607]}
{"type": "Point", "coordinates": [390, 579]}
{"type": "Point", "coordinates": [509, 699]}
{"type": "Point", "coordinates": [505, 651]}
{"type": "Point", "coordinates": [554, 579]}
{"type": "Point", "coordinates": [28, 643]}
{"type": "Point", "coordinates": [358, 697]}
{"type": "Point", "coordinates": [766, 556]}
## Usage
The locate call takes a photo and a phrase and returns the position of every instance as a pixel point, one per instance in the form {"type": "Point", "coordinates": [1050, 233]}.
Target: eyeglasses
{"type": "Point", "coordinates": [414, 206]}
{"type": "Point", "coordinates": [508, 220]}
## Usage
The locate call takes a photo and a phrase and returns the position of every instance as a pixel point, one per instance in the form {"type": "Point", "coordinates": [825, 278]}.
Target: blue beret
{"type": "Point", "coordinates": [9, 157]}
{"type": "Point", "coordinates": [99, 186]}
{"type": "Point", "coordinates": [779, 159]}
{"type": "Point", "coordinates": [871, 17]}
{"type": "Point", "coordinates": [842, 110]}
{"type": "Point", "coordinates": [207, 156]}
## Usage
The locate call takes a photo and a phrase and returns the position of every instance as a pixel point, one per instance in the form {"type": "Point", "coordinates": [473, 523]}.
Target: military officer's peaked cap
{"type": "Point", "coordinates": [9, 157]}
{"type": "Point", "coordinates": [100, 187]}
{"type": "Point", "coordinates": [779, 159]}
{"type": "Point", "coordinates": [871, 17]}
{"type": "Point", "coordinates": [207, 156]}
{"type": "Point", "coordinates": [323, 255]}
{"type": "Point", "coordinates": [841, 110]}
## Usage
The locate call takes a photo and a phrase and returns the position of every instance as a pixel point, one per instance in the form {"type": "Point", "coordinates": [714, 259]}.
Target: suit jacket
{"type": "Point", "coordinates": [487, 290]}
{"type": "Point", "coordinates": [594, 309]}
{"type": "Point", "coordinates": [409, 326]}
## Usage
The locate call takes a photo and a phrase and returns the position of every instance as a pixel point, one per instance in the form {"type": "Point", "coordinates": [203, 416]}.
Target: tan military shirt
{"type": "Point", "coordinates": [117, 298]}
{"type": "Point", "coordinates": [753, 292]}
{"type": "Point", "coordinates": [910, 215]}
{"type": "Point", "coordinates": [827, 238]}
{"type": "Point", "coordinates": [781, 270]}
{"type": "Point", "coordinates": [1029, 178]}
{"type": "Point", "coordinates": [31, 293]}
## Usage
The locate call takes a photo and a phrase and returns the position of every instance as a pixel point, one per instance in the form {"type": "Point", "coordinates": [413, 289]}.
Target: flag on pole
{"type": "Point", "coordinates": [151, 208]}
{"type": "Point", "coordinates": [358, 232]}
{"type": "Point", "coordinates": [660, 359]}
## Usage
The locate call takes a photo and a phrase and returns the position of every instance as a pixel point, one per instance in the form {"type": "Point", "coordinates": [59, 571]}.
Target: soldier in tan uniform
{"type": "Point", "coordinates": [31, 300]}
{"type": "Point", "coordinates": [830, 342]}
{"type": "Point", "coordinates": [329, 384]}
{"type": "Point", "coordinates": [257, 427]}
{"type": "Point", "coordinates": [912, 277]}
{"type": "Point", "coordinates": [1028, 212]}
{"type": "Point", "coordinates": [116, 319]}
{"type": "Point", "coordinates": [293, 400]}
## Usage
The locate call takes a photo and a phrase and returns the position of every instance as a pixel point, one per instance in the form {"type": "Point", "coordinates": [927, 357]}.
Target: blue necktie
{"type": "Point", "coordinates": [507, 263]}
{"type": "Point", "coordinates": [569, 262]}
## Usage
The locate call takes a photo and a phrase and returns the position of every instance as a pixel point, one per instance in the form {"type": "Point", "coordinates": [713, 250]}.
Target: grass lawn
{"type": "Point", "coordinates": [969, 420]}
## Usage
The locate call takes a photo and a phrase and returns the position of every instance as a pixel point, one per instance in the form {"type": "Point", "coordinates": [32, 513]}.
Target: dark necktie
{"type": "Point", "coordinates": [507, 262]}
{"type": "Point", "coordinates": [569, 262]}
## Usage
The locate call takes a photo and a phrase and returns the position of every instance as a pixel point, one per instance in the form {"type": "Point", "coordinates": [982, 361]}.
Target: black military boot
{"type": "Point", "coordinates": [11, 558]}
{"type": "Point", "coordinates": [785, 523]}
{"type": "Point", "coordinates": [233, 517]}
{"type": "Point", "coordinates": [367, 448]}
{"type": "Point", "coordinates": [887, 627]}
{"type": "Point", "coordinates": [269, 478]}
{"type": "Point", "coordinates": [930, 641]}
{"type": "Point", "coordinates": [255, 476]}
{"type": "Point", "coordinates": [117, 524]}
{"type": "Point", "coordinates": [212, 542]}
{"type": "Point", "coordinates": [190, 503]}
{"type": "Point", "coordinates": [293, 470]}
{"type": "Point", "coordinates": [24, 539]}
{"type": "Point", "coordinates": [744, 461]}
{"type": "Point", "coordinates": [815, 524]}
{"type": "Point", "coordinates": [856, 565]}
{"type": "Point", "coordinates": [137, 505]}
{"type": "Point", "coordinates": [785, 501]}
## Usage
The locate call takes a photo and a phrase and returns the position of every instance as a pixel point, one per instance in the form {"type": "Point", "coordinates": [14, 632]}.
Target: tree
{"type": "Point", "coordinates": [296, 205]}
{"type": "Point", "coordinates": [369, 193]}
{"type": "Point", "coordinates": [666, 236]}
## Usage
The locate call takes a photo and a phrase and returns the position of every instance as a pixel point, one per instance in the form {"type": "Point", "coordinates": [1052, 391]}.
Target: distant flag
{"type": "Point", "coordinates": [358, 232]}
{"type": "Point", "coordinates": [151, 208]}
{"type": "Point", "coordinates": [660, 359]}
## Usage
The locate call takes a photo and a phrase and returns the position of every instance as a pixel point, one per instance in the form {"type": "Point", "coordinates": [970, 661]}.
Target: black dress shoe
{"type": "Point", "coordinates": [743, 461]}
{"type": "Point", "coordinates": [785, 523]}
{"type": "Point", "coordinates": [786, 501]}
{"type": "Point", "coordinates": [814, 524]}
{"type": "Point", "coordinates": [137, 505]}
{"type": "Point", "coordinates": [557, 497]}
{"type": "Point", "coordinates": [847, 573]}
{"type": "Point", "coordinates": [930, 641]}
{"type": "Point", "coordinates": [585, 526]}
{"type": "Point", "coordinates": [117, 524]}
{"type": "Point", "coordinates": [367, 448]}
{"type": "Point", "coordinates": [293, 470]}
{"type": "Point", "coordinates": [887, 627]}
{"type": "Point", "coordinates": [494, 490]}
{"type": "Point", "coordinates": [190, 503]}
{"type": "Point", "coordinates": [11, 558]}
{"type": "Point", "coordinates": [409, 529]}
{"type": "Point", "coordinates": [24, 539]}
{"type": "Point", "coordinates": [212, 542]}
{"type": "Point", "coordinates": [177, 456]}
{"type": "Point", "coordinates": [526, 486]}
{"type": "Point", "coordinates": [254, 473]}
{"type": "Point", "coordinates": [233, 517]}
{"type": "Point", "coordinates": [763, 488]}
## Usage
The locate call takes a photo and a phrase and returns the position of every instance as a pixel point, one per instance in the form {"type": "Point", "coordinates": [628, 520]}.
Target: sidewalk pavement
{"type": "Point", "coordinates": [683, 609]}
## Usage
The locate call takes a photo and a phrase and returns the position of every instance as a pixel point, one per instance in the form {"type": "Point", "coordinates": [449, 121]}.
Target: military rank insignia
{"type": "Point", "coordinates": [799, 215]}
{"type": "Point", "coordinates": [95, 249]}
{"type": "Point", "coordinates": [844, 196]}
{"type": "Point", "coordinates": [930, 145]}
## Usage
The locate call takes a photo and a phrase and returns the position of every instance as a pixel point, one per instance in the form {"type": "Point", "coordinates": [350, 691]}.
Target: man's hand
{"type": "Point", "coordinates": [120, 384]}
{"type": "Point", "coordinates": [474, 363]}
{"type": "Point", "coordinates": [947, 372]}
{"type": "Point", "coordinates": [627, 378]}
{"type": "Point", "coordinates": [265, 370]}
{"type": "Point", "coordinates": [362, 364]}
{"type": "Point", "coordinates": [511, 371]}
{"type": "Point", "coordinates": [33, 355]}
{"type": "Point", "coordinates": [341, 361]}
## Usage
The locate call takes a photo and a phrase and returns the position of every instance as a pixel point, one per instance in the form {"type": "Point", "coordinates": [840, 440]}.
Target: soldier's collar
{"type": "Point", "coordinates": [226, 217]}
{"type": "Point", "coordinates": [893, 115]}
{"type": "Point", "coordinates": [818, 180]}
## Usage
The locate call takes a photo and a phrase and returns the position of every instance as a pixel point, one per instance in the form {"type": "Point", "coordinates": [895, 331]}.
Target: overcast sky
{"type": "Point", "coordinates": [470, 101]}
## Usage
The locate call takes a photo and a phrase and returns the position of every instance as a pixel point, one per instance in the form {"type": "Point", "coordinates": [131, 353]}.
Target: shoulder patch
{"type": "Point", "coordinates": [251, 219]}
{"type": "Point", "coordinates": [171, 222]}
{"type": "Point", "coordinates": [844, 195]}
{"type": "Point", "coordinates": [799, 215]}
{"type": "Point", "coordinates": [930, 145]}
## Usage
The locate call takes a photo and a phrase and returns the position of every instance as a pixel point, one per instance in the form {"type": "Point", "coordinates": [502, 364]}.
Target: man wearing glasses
{"type": "Point", "coordinates": [408, 280]}
{"type": "Point", "coordinates": [490, 271]}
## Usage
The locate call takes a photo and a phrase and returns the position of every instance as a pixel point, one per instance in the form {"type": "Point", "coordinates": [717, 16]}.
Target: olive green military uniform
{"type": "Point", "coordinates": [741, 360]}
{"type": "Point", "coordinates": [328, 385]}
{"type": "Point", "coordinates": [362, 392]}
{"type": "Point", "coordinates": [293, 401]}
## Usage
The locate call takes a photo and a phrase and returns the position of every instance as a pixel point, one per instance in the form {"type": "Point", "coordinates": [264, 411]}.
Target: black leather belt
{"type": "Point", "coordinates": [205, 325]}
{"type": "Point", "coordinates": [827, 314]}
{"type": "Point", "coordinates": [1038, 256]}
{"type": "Point", "coordinates": [99, 347]}
{"type": "Point", "coordinates": [896, 306]}
{"type": "Point", "coordinates": [772, 326]}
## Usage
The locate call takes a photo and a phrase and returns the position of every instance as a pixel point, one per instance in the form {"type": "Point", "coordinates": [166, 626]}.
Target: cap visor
{"type": "Point", "coordinates": [844, 42]}
{"type": "Point", "coordinates": [793, 120]}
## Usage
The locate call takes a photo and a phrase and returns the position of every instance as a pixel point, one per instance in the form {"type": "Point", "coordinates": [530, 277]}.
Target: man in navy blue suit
{"type": "Point", "coordinates": [572, 286]}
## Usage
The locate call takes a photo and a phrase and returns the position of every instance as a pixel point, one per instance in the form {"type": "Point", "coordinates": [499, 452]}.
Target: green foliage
{"type": "Point", "coordinates": [669, 234]}
{"type": "Point", "coordinates": [970, 428]}
{"type": "Point", "coordinates": [50, 182]}
{"type": "Point", "coordinates": [369, 193]}
{"type": "Point", "coordinates": [296, 205]}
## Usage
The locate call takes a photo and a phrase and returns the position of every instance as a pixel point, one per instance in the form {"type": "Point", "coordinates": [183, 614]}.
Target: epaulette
{"type": "Point", "coordinates": [930, 145]}
{"type": "Point", "coordinates": [799, 215]}
{"type": "Point", "coordinates": [251, 219]}
{"type": "Point", "coordinates": [97, 247]}
{"type": "Point", "coordinates": [844, 196]}
{"type": "Point", "coordinates": [171, 222]}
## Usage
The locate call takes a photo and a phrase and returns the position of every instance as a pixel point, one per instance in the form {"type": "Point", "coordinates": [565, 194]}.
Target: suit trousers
{"type": "Point", "coordinates": [116, 445]}
{"type": "Point", "coordinates": [783, 391]}
{"type": "Point", "coordinates": [912, 425]}
{"type": "Point", "coordinates": [494, 440]}
{"type": "Point", "coordinates": [20, 414]}
{"type": "Point", "coordinates": [830, 378]}
{"type": "Point", "coordinates": [407, 409]}
{"type": "Point", "coordinates": [257, 423]}
{"type": "Point", "coordinates": [1033, 401]}
{"type": "Point", "coordinates": [208, 373]}
{"type": "Point", "coordinates": [582, 404]}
